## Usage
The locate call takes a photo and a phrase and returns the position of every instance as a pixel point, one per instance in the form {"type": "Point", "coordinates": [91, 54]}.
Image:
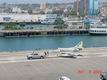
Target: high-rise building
{"type": "Point", "coordinates": [84, 7]}
{"type": "Point", "coordinates": [87, 7]}
{"type": "Point", "coordinates": [43, 6]}
{"type": "Point", "coordinates": [93, 7]}
{"type": "Point", "coordinates": [76, 6]}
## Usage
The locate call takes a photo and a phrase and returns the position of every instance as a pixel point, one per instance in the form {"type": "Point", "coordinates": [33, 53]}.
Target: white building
{"type": "Point", "coordinates": [74, 22]}
{"type": "Point", "coordinates": [43, 6]}
{"type": "Point", "coordinates": [48, 10]}
{"type": "Point", "coordinates": [13, 17]}
{"type": "Point", "coordinates": [49, 18]}
{"type": "Point", "coordinates": [16, 10]}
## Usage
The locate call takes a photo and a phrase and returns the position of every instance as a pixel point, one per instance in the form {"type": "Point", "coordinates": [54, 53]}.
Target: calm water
{"type": "Point", "coordinates": [16, 44]}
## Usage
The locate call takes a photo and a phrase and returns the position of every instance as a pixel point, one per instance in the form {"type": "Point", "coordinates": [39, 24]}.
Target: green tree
{"type": "Point", "coordinates": [10, 26]}
{"type": "Point", "coordinates": [72, 12]}
{"type": "Point", "coordinates": [59, 23]}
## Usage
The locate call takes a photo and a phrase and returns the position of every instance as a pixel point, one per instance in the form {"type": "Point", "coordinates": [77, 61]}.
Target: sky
{"type": "Point", "coordinates": [36, 1]}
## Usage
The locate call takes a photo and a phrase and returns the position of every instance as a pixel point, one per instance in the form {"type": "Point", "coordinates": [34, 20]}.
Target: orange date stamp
{"type": "Point", "coordinates": [94, 71]}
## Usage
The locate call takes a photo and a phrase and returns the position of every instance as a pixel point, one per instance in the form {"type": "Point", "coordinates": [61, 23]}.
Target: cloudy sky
{"type": "Point", "coordinates": [36, 1]}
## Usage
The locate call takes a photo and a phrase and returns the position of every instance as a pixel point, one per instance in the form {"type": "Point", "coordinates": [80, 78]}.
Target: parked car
{"type": "Point", "coordinates": [103, 76]}
{"type": "Point", "coordinates": [36, 56]}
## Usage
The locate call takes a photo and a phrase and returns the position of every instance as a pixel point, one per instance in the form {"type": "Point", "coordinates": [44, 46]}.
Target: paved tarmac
{"type": "Point", "coordinates": [15, 66]}
{"type": "Point", "coordinates": [53, 68]}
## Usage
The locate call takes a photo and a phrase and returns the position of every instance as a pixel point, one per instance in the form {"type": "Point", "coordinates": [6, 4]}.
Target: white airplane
{"type": "Point", "coordinates": [78, 47]}
{"type": "Point", "coordinates": [64, 78]}
{"type": "Point", "coordinates": [72, 51]}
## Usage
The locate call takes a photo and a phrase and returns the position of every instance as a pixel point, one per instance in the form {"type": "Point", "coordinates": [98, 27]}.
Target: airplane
{"type": "Point", "coordinates": [76, 48]}
{"type": "Point", "coordinates": [72, 51]}
{"type": "Point", "coordinates": [64, 78]}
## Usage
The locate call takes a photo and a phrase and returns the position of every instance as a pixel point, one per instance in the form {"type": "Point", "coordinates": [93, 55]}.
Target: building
{"type": "Point", "coordinates": [19, 17]}
{"type": "Point", "coordinates": [74, 22]}
{"type": "Point", "coordinates": [5, 10]}
{"type": "Point", "coordinates": [87, 7]}
{"type": "Point", "coordinates": [76, 6]}
{"type": "Point", "coordinates": [16, 10]}
{"type": "Point", "coordinates": [1, 9]}
{"type": "Point", "coordinates": [43, 6]}
{"type": "Point", "coordinates": [36, 11]}
{"type": "Point", "coordinates": [49, 19]}
{"type": "Point", "coordinates": [93, 7]}
{"type": "Point", "coordinates": [103, 9]}
{"type": "Point", "coordinates": [48, 11]}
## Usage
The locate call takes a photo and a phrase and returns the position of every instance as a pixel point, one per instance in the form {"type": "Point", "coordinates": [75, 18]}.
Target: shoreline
{"type": "Point", "coordinates": [22, 51]}
{"type": "Point", "coordinates": [53, 51]}
{"type": "Point", "coordinates": [47, 32]}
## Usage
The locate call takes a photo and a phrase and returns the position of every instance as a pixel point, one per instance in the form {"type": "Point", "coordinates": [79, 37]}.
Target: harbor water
{"type": "Point", "coordinates": [49, 42]}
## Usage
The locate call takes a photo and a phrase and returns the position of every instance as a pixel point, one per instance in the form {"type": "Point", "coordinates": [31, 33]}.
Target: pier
{"type": "Point", "coordinates": [46, 32]}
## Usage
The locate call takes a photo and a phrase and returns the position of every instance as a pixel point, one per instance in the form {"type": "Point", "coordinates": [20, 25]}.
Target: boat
{"type": "Point", "coordinates": [98, 29]}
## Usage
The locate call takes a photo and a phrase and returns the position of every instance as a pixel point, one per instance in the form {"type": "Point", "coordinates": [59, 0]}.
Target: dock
{"type": "Point", "coordinates": [46, 32]}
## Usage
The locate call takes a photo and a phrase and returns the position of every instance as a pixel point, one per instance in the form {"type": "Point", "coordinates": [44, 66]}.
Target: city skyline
{"type": "Point", "coordinates": [35, 1]}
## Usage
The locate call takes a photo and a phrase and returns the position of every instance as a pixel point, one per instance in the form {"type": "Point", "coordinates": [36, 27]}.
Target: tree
{"type": "Point", "coordinates": [59, 23]}
{"type": "Point", "coordinates": [42, 12]}
{"type": "Point", "coordinates": [73, 13]}
{"type": "Point", "coordinates": [30, 11]}
{"type": "Point", "coordinates": [10, 26]}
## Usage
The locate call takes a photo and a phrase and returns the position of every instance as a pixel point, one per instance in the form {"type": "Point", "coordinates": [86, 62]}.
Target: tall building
{"type": "Point", "coordinates": [87, 7]}
{"type": "Point", "coordinates": [43, 6]}
{"type": "Point", "coordinates": [76, 6]}
{"type": "Point", "coordinates": [84, 7]}
{"type": "Point", "coordinates": [93, 7]}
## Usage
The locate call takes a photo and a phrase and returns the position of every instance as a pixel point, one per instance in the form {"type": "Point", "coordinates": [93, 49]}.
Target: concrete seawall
{"type": "Point", "coordinates": [52, 32]}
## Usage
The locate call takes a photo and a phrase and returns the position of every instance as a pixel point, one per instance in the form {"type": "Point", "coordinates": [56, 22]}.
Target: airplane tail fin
{"type": "Point", "coordinates": [79, 45]}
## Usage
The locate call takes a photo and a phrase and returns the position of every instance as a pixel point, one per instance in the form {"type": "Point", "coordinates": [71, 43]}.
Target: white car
{"type": "Point", "coordinates": [36, 56]}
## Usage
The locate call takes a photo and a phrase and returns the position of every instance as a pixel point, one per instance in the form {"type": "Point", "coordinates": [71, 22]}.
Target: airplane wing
{"type": "Point", "coordinates": [79, 46]}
